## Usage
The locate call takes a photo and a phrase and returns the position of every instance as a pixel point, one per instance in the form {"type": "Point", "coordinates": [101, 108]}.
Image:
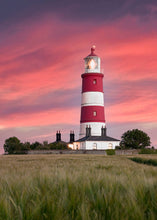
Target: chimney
{"type": "Point", "coordinates": [103, 131]}
{"type": "Point", "coordinates": [58, 136]}
{"type": "Point", "coordinates": [88, 131]}
{"type": "Point", "coordinates": [72, 136]}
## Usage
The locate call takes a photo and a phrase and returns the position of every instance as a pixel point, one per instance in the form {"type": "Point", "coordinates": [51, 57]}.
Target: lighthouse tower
{"type": "Point", "coordinates": [92, 104]}
{"type": "Point", "coordinates": [92, 124]}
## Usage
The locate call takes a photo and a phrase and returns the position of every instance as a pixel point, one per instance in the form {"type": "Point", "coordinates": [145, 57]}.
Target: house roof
{"type": "Point", "coordinates": [97, 138]}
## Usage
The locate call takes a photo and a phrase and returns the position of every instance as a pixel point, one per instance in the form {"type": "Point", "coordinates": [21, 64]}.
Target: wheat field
{"type": "Point", "coordinates": [71, 187]}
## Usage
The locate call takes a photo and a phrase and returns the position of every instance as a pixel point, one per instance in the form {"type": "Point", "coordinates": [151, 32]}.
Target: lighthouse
{"type": "Point", "coordinates": [92, 120]}
{"type": "Point", "coordinates": [92, 102]}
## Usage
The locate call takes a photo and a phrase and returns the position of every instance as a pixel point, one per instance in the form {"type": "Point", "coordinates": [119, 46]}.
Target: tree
{"type": "Point", "coordinates": [12, 145]}
{"type": "Point", "coordinates": [134, 139]}
{"type": "Point", "coordinates": [45, 145]}
{"type": "Point", "coordinates": [58, 146]}
{"type": "Point", "coordinates": [35, 145]}
{"type": "Point", "coordinates": [25, 146]}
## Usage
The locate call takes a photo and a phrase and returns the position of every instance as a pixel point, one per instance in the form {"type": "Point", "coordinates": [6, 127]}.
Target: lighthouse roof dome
{"type": "Point", "coordinates": [92, 54]}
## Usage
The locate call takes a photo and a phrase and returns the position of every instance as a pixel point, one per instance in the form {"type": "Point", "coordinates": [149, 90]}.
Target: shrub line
{"type": "Point", "coordinates": [144, 161]}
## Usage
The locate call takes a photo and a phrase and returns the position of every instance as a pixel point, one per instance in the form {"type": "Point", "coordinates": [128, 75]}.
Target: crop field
{"type": "Point", "coordinates": [36, 187]}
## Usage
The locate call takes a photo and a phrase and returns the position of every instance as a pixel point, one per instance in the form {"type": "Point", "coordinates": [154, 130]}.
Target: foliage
{"type": "Point", "coordinates": [144, 161]}
{"type": "Point", "coordinates": [25, 146]}
{"type": "Point", "coordinates": [110, 152]}
{"type": "Point", "coordinates": [58, 146]}
{"type": "Point", "coordinates": [148, 151]}
{"type": "Point", "coordinates": [45, 145]}
{"type": "Point", "coordinates": [12, 145]}
{"type": "Point", "coordinates": [134, 139]}
{"type": "Point", "coordinates": [76, 187]}
{"type": "Point", "coordinates": [117, 147]}
{"type": "Point", "coordinates": [35, 145]}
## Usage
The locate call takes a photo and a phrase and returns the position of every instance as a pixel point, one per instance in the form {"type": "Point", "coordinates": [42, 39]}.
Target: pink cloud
{"type": "Point", "coordinates": [139, 110]}
{"type": "Point", "coordinates": [56, 116]}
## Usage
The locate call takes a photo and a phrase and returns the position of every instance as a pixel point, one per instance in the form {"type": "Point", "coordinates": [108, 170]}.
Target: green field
{"type": "Point", "coordinates": [77, 187]}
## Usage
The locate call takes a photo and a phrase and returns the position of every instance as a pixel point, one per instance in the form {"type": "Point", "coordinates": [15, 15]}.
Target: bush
{"type": "Point", "coordinates": [148, 151]}
{"type": "Point", "coordinates": [110, 152]}
{"type": "Point", "coordinates": [144, 161]}
{"type": "Point", "coordinates": [118, 148]}
{"type": "Point", "coordinates": [58, 146]}
{"type": "Point", "coordinates": [36, 145]}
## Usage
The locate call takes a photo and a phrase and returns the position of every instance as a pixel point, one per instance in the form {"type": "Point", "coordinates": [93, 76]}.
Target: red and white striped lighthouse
{"type": "Point", "coordinates": [92, 104]}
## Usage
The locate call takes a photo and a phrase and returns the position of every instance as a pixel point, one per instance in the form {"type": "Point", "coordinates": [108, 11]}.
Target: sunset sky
{"type": "Point", "coordinates": [42, 46]}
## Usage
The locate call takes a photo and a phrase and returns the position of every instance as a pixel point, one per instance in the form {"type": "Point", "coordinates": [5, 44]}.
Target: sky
{"type": "Point", "coordinates": [42, 46]}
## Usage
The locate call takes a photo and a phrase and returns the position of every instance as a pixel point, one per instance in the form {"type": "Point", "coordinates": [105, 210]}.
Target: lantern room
{"type": "Point", "coordinates": [92, 62]}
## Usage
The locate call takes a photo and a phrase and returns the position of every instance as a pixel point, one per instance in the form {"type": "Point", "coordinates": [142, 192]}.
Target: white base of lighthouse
{"type": "Point", "coordinates": [95, 145]}
{"type": "Point", "coordinates": [95, 128]}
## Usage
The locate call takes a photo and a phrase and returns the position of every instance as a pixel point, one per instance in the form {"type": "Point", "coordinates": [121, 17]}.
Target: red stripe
{"type": "Point", "coordinates": [88, 84]}
{"type": "Point", "coordinates": [87, 114]}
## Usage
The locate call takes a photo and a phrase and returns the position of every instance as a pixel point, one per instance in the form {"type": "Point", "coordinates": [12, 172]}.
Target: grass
{"type": "Point", "coordinates": [76, 187]}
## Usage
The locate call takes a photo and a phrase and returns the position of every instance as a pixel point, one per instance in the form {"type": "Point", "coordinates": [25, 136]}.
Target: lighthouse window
{"type": "Point", "coordinates": [94, 113]}
{"type": "Point", "coordinates": [94, 81]}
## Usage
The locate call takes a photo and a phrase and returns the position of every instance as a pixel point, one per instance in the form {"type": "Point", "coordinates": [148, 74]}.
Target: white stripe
{"type": "Point", "coordinates": [92, 98]}
{"type": "Point", "coordinates": [95, 128]}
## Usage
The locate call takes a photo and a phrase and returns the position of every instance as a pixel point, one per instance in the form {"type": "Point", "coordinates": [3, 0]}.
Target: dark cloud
{"type": "Point", "coordinates": [117, 92]}
{"type": "Point", "coordinates": [32, 61]}
{"type": "Point", "coordinates": [60, 99]}
{"type": "Point", "coordinates": [78, 10]}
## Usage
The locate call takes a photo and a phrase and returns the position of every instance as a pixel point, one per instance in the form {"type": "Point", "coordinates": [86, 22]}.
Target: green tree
{"type": "Point", "coordinates": [45, 145]}
{"type": "Point", "coordinates": [25, 146]}
{"type": "Point", "coordinates": [58, 146]}
{"type": "Point", "coordinates": [134, 139]}
{"type": "Point", "coordinates": [12, 145]}
{"type": "Point", "coordinates": [35, 145]}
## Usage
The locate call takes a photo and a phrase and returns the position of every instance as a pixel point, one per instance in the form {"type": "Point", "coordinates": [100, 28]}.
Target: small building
{"type": "Point", "coordinates": [89, 142]}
